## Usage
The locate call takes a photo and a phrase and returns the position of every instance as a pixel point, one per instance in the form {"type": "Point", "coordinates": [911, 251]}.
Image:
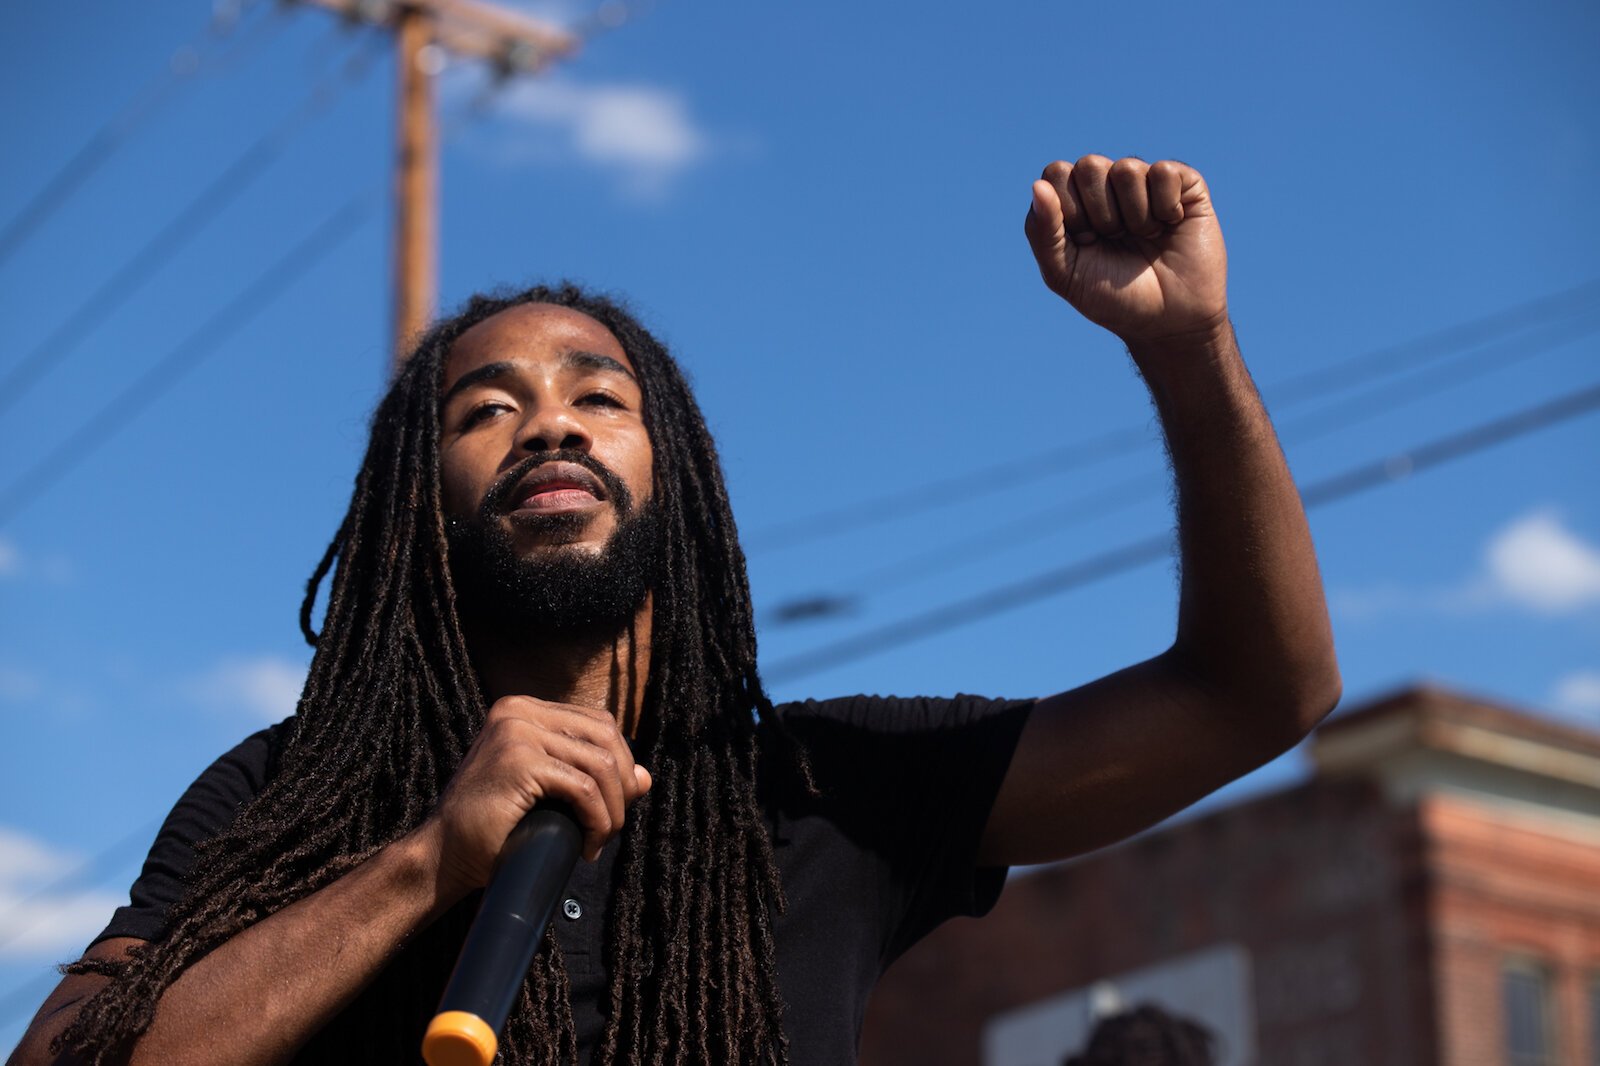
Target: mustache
{"type": "Point", "coordinates": [495, 499]}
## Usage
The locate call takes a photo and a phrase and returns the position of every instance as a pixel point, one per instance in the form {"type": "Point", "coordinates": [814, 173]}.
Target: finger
{"type": "Point", "coordinates": [536, 736]}
{"type": "Point", "coordinates": [1044, 224]}
{"type": "Point", "coordinates": [600, 766]}
{"type": "Point", "coordinates": [564, 783]}
{"type": "Point", "coordinates": [1090, 178]}
{"type": "Point", "coordinates": [1165, 189]}
{"type": "Point", "coordinates": [590, 724]}
{"type": "Point", "coordinates": [1058, 176]}
{"type": "Point", "coordinates": [600, 729]}
{"type": "Point", "coordinates": [1133, 201]}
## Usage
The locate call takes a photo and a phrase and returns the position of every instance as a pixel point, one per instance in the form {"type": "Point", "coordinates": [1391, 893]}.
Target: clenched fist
{"type": "Point", "coordinates": [1134, 246]}
{"type": "Point", "coordinates": [531, 751]}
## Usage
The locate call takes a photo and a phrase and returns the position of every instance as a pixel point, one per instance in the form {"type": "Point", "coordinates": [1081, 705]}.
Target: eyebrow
{"type": "Point", "coordinates": [573, 358]}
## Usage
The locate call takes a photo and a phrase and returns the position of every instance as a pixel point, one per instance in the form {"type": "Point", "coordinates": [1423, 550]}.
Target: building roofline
{"type": "Point", "coordinates": [1431, 718]}
{"type": "Point", "coordinates": [1432, 703]}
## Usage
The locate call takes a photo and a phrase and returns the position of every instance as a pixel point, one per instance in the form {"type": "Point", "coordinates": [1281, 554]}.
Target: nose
{"type": "Point", "coordinates": [552, 427]}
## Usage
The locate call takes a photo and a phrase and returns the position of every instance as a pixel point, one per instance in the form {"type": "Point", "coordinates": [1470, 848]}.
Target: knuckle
{"type": "Point", "coordinates": [510, 710]}
{"type": "Point", "coordinates": [1129, 171]}
{"type": "Point", "coordinates": [1056, 170]}
{"type": "Point", "coordinates": [495, 737]}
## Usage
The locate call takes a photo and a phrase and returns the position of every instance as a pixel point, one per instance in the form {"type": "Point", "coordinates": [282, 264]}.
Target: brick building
{"type": "Point", "coordinates": [1429, 897]}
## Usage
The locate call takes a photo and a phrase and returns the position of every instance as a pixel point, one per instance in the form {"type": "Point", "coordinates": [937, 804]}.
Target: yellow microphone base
{"type": "Point", "coordinates": [456, 1038]}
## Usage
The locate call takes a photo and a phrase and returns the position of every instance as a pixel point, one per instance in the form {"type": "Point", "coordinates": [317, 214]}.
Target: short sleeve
{"type": "Point", "coordinates": [913, 780]}
{"type": "Point", "coordinates": [207, 808]}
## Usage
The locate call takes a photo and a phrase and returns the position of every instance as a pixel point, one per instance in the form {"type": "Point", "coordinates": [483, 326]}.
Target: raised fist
{"type": "Point", "coordinates": [1134, 246]}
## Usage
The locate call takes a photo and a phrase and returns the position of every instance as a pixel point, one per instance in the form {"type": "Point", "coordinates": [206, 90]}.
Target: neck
{"type": "Point", "coordinates": [604, 671]}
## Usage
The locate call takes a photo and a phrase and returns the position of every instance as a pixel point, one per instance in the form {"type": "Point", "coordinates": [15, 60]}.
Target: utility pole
{"type": "Point", "coordinates": [513, 43]}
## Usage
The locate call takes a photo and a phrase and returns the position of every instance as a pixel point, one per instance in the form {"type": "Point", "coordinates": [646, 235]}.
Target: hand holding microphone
{"type": "Point", "coordinates": [510, 822]}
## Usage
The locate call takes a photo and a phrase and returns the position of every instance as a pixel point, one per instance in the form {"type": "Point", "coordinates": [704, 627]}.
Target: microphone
{"type": "Point", "coordinates": [534, 867]}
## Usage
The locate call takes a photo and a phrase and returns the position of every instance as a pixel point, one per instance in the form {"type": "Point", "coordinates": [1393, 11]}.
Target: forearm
{"type": "Point", "coordinates": [257, 998]}
{"type": "Point", "coordinates": [1252, 621]}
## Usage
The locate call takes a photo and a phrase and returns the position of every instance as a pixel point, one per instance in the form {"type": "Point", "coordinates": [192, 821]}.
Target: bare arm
{"type": "Point", "coordinates": [260, 996]}
{"type": "Point", "coordinates": [61, 1006]}
{"type": "Point", "coordinates": [1137, 249]}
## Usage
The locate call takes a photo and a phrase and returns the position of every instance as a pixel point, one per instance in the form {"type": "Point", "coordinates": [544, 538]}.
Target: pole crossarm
{"type": "Point", "coordinates": [514, 42]}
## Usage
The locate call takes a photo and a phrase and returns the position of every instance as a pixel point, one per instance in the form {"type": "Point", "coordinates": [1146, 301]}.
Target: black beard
{"type": "Point", "coordinates": [565, 589]}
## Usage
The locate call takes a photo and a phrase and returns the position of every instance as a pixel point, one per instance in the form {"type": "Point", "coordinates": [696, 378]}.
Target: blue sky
{"type": "Point", "coordinates": [820, 208]}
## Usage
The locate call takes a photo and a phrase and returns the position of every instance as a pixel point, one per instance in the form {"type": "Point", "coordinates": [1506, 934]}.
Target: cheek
{"type": "Point", "coordinates": [640, 475]}
{"type": "Point", "coordinates": [458, 490]}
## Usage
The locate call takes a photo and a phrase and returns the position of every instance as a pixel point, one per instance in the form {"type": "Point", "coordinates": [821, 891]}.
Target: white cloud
{"type": "Point", "coordinates": [1578, 694]}
{"type": "Point", "coordinates": [643, 135]}
{"type": "Point", "coordinates": [56, 922]}
{"type": "Point", "coordinates": [1537, 563]}
{"type": "Point", "coordinates": [24, 859]}
{"type": "Point", "coordinates": [266, 687]}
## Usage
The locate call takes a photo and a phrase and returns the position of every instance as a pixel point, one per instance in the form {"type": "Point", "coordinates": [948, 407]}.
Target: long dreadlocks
{"type": "Point", "coordinates": [391, 705]}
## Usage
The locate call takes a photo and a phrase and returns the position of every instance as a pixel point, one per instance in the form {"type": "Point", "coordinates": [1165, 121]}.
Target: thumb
{"type": "Point", "coordinates": [1046, 230]}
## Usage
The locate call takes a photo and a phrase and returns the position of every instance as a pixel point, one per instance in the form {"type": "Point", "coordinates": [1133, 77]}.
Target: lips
{"type": "Point", "coordinates": [555, 485]}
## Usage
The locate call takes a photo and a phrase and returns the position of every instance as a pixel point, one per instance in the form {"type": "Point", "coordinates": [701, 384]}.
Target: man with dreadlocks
{"type": "Point", "coordinates": [538, 595]}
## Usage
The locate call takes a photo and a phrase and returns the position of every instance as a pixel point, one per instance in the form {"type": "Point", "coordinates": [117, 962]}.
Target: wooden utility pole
{"type": "Point", "coordinates": [424, 30]}
{"type": "Point", "coordinates": [416, 234]}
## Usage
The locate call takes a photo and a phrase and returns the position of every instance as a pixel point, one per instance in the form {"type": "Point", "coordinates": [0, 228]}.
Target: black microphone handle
{"type": "Point", "coordinates": [534, 867]}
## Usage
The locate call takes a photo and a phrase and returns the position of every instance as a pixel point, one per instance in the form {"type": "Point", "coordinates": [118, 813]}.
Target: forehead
{"type": "Point", "coordinates": [533, 333]}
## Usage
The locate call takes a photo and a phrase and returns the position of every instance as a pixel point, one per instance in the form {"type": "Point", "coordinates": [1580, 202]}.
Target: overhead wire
{"type": "Point", "coordinates": [1053, 582]}
{"type": "Point", "coordinates": [161, 377]}
{"type": "Point", "coordinates": [139, 395]}
{"type": "Point", "coordinates": [95, 431]}
{"type": "Point", "coordinates": [89, 871]}
{"type": "Point", "coordinates": [189, 223]}
{"type": "Point", "coordinates": [946, 490]}
{"type": "Point", "coordinates": [187, 64]}
{"type": "Point", "coordinates": [1313, 425]}
{"type": "Point", "coordinates": [25, 997]}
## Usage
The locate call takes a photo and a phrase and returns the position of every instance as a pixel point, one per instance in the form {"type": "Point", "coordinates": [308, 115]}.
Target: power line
{"type": "Point", "coordinates": [1311, 384]}
{"type": "Point", "coordinates": [1311, 426]}
{"type": "Point", "coordinates": [186, 64]}
{"type": "Point", "coordinates": [26, 997]}
{"type": "Point", "coordinates": [74, 877]}
{"type": "Point", "coordinates": [176, 234]}
{"type": "Point", "coordinates": [1129, 556]}
{"type": "Point", "coordinates": [203, 342]}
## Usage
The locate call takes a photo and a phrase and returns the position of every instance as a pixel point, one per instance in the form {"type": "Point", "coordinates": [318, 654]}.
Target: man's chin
{"type": "Point", "coordinates": [564, 572]}
{"type": "Point", "coordinates": [529, 532]}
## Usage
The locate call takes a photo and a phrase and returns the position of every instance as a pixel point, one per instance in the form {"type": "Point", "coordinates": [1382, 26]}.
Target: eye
{"type": "Point", "coordinates": [482, 412]}
{"type": "Point", "coordinates": [600, 399]}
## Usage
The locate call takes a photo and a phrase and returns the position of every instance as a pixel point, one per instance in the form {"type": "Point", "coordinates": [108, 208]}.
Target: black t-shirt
{"type": "Point", "coordinates": [884, 853]}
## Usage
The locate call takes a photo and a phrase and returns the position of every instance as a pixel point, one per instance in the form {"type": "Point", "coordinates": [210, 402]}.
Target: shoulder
{"type": "Point", "coordinates": [891, 715]}
{"type": "Point", "coordinates": [876, 742]}
{"type": "Point", "coordinates": [206, 808]}
{"type": "Point", "coordinates": [241, 772]}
